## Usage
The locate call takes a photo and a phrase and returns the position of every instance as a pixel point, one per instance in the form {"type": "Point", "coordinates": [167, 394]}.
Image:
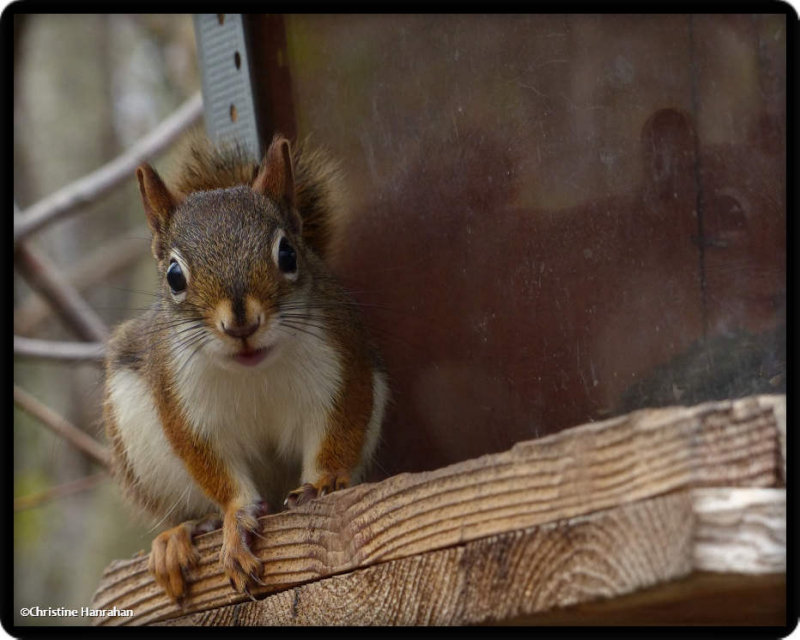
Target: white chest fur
{"type": "Point", "coordinates": [265, 423]}
{"type": "Point", "coordinates": [158, 471]}
{"type": "Point", "coordinates": [279, 406]}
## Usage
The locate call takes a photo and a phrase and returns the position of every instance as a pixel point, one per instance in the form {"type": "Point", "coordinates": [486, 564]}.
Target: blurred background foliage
{"type": "Point", "coordinates": [86, 87]}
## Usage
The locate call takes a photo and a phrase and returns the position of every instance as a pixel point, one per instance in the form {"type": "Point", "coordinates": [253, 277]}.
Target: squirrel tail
{"type": "Point", "coordinates": [319, 192]}
{"type": "Point", "coordinates": [317, 178]}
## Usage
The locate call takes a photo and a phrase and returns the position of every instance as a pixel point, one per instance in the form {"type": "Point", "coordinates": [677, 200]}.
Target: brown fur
{"type": "Point", "coordinates": [202, 463]}
{"type": "Point", "coordinates": [159, 203]}
{"type": "Point", "coordinates": [240, 524]}
{"type": "Point", "coordinates": [206, 167]}
{"type": "Point", "coordinates": [121, 469]}
{"type": "Point", "coordinates": [125, 349]}
{"type": "Point", "coordinates": [344, 441]}
{"type": "Point", "coordinates": [134, 337]}
{"type": "Point", "coordinates": [171, 554]}
{"type": "Point", "coordinates": [341, 450]}
{"type": "Point", "coordinates": [222, 205]}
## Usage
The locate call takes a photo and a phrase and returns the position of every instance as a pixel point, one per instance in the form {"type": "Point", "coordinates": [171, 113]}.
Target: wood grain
{"type": "Point", "coordinates": [701, 598]}
{"type": "Point", "coordinates": [588, 560]}
{"type": "Point", "coordinates": [574, 473]}
{"type": "Point", "coordinates": [498, 577]}
{"type": "Point", "coordinates": [741, 530]}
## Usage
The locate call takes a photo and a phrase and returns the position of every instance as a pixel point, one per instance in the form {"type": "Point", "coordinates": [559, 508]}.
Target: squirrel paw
{"type": "Point", "coordinates": [171, 556]}
{"type": "Point", "coordinates": [239, 529]}
{"type": "Point", "coordinates": [325, 484]}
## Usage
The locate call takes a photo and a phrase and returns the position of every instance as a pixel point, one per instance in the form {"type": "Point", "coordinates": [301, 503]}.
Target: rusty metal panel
{"type": "Point", "coordinates": [553, 219]}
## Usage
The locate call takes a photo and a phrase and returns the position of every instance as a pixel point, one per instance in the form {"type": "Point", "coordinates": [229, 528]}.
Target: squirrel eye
{"type": "Point", "coordinates": [287, 258]}
{"type": "Point", "coordinates": [175, 278]}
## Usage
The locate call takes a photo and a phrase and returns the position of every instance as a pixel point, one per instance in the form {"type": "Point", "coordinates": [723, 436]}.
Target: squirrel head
{"type": "Point", "coordinates": [230, 258]}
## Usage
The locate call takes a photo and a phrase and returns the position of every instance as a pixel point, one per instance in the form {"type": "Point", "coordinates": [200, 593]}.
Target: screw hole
{"type": "Point", "coordinates": [237, 60]}
{"type": "Point", "coordinates": [234, 115]}
{"type": "Point", "coordinates": [221, 18]}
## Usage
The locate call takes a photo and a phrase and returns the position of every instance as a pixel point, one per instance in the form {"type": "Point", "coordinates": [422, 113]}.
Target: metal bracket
{"type": "Point", "coordinates": [228, 102]}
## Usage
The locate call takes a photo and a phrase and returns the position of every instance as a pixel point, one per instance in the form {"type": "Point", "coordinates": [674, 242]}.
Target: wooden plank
{"type": "Point", "coordinates": [513, 576]}
{"type": "Point", "coordinates": [491, 579]}
{"type": "Point", "coordinates": [567, 475]}
{"type": "Point", "coordinates": [778, 405]}
{"type": "Point", "coordinates": [720, 599]}
{"type": "Point", "coordinates": [741, 530]}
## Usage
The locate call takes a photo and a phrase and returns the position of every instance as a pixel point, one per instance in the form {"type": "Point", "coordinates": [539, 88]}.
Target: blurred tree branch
{"type": "Point", "coordinates": [59, 491]}
{"type": "Point", "coordinates": [54, 350]}
{"type": "Point", "coordinates": [44, 276]}
{"type": "Point", "coordinates": [63, 427]}
{"type": "Point", "coordinates": [63, 296]}
{"type": "Point", "coordinates": [68, 199]}
{"type": "Point", "coordinates": [98, 267]}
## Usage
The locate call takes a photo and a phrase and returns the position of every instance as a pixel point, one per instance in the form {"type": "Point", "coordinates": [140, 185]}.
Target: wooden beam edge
{"type": "Point", "coordinates": [701, 598]}
{"type": "Point", "coordinates": [512, 575]}
{"type": "Point", "coordinates": [740, 530]}
{"type": "Point", "coordinates": [505, 575]}
{"type": "Point", "coordinates": [127, 585]}
{"type": "Point", "coordinates": [515, 575]}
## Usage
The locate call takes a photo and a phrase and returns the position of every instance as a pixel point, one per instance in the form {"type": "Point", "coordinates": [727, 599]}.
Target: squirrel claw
{"type": "Point", "coordinates": [242, 571]}
{"type": "Point", "coordinates": [301, 495]}
{"type": "Point", "coordinates": [328, 483]}
{"type": "Point", "coordinates": [246, 591]}
{"type": "Point", "coordinates": [253, 577]}
{"type": "Point", "coordinates": [172, 555]}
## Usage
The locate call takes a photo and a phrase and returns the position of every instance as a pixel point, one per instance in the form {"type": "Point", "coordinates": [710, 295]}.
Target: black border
{"type": "Point", "coordinates": [6, 143]}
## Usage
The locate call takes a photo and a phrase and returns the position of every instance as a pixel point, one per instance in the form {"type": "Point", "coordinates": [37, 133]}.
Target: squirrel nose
{"type": "Point", "coordinates": [237, 331]}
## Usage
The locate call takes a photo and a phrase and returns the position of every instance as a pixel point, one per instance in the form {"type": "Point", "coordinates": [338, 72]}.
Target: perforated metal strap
{"type": "Point", "coordinates": [228, 104]}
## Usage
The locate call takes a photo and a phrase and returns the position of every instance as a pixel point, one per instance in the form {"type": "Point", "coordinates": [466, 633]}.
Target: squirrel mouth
{"type": "Point", "coordinates": [251, 357]}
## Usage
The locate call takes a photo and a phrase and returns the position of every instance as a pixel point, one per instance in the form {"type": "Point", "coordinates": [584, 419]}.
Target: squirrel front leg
{"type": "Point", "coordinates": [333, 455]}
{"type": "Point", "coordinates": [239, 529]}
{"type": "Point", "coordinates": [241, 507]}
{"type": "Point", "coordinates": [173, 552]}
{"type": "Point", "coordinates": [231, 489]}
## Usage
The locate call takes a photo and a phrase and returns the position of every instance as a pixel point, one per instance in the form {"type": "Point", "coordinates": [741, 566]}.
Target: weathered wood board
{"type": "Point", "coordinates": [521, 573]}
{"type": "Point", "coordinates": [701, 598]}
{"type": "Point", "coordinates": [741, 530]}
{"type": "Point", "coordinates": [493, 578]}
{"type": "Point", "coordinates": [639, 469]}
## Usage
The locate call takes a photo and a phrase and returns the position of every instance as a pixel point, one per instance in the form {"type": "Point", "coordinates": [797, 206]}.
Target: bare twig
{"type": "Point", "coordinates": [98, 267]}
{"type": "Point", "coordinates": [76, 437]}
{"type": "Point", "coordinates": [54, 350]}
{"type": "Point", "coordinates": [78, 193]}
{"type": "Point", "coordinates": [44, 276]}
{"type": "Point", "coordinates": [53, 493]}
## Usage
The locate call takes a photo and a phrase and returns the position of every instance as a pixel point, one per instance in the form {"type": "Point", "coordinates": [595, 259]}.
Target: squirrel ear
{"type": "Point", "coordinates": [159, 204]}
{"type": "Point", "coordinates": [275, 178]}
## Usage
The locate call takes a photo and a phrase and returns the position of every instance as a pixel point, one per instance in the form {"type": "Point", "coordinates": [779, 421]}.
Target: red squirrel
{"type": "Point", "coordinates": [251, 378]}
